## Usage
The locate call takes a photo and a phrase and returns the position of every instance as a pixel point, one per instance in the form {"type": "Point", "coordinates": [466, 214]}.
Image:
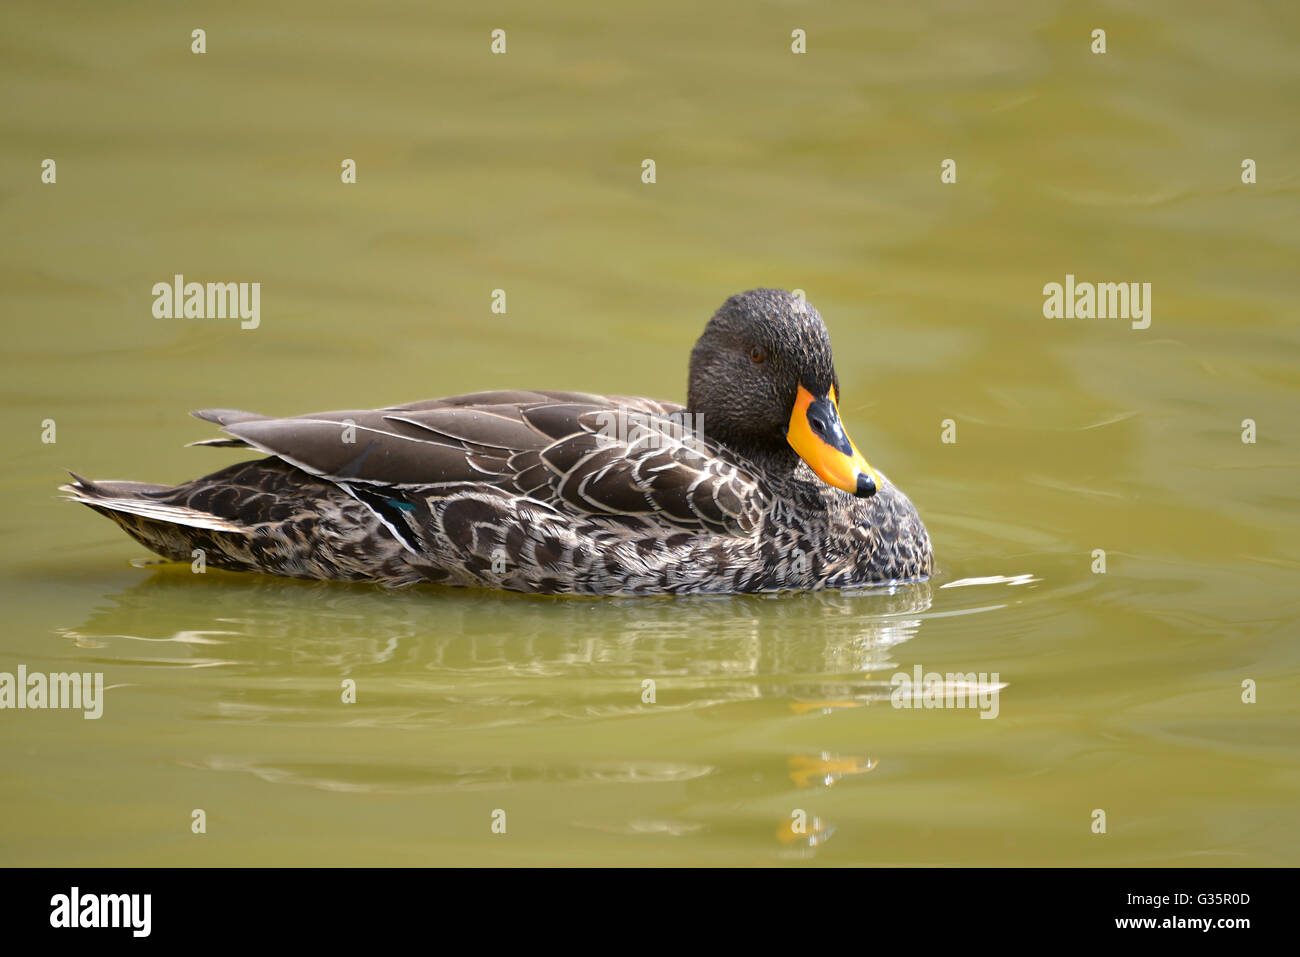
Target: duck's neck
{"type": "Point", "coordinates": [772, 455]}
{"type": "Point", "coordinates": [778, 463]}
{"type": "Point", "coordinates": [775, 461]}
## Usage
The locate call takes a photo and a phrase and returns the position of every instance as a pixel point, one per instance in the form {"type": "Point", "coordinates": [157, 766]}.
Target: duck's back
{"type": "Point", "coordinates": [532, 491]}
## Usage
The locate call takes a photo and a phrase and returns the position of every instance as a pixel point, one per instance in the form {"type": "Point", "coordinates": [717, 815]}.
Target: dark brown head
{"type": "Point", "coordinates": [763, 379]}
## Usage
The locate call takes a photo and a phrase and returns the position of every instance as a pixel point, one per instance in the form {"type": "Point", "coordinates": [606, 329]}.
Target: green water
{"type": "Point", "coordinates": [1123, 690]}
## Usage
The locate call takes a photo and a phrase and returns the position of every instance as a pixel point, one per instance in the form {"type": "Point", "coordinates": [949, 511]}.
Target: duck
{"type": "Point", "coordinates": [752, 486]}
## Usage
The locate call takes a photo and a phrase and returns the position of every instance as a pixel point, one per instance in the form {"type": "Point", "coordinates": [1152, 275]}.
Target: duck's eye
{"type": "Point", "coordinates": [757, 354]}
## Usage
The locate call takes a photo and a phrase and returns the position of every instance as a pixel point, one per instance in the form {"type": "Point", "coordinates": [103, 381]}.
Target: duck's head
{"type": "Point", "coordinates": [763, 380]}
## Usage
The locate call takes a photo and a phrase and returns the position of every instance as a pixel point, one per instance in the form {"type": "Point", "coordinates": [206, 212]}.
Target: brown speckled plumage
{"type": "Point", "coordinates": [552, 492]}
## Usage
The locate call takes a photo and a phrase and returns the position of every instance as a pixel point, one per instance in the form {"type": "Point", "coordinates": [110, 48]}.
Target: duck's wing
{"type": "Point", "coordinates": [577, 452]}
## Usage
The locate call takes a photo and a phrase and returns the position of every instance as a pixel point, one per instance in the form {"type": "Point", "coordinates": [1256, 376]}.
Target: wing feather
{"type": "Point", "coordinates": [584, 454]}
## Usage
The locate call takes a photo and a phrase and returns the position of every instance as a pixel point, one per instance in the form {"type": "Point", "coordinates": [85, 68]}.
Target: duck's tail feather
{"type": "Point", "coordinates": [227, 416]}
{"type": "Point", "coordinates": [262, 516]}
{"type": "Point", "coordinates": [221, 443]}
{"type": "Point", "coordinates": [141, 498]}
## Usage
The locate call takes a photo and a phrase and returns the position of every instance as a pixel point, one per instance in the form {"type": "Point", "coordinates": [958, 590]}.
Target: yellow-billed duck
{"type": "Point", "coordinates": [752, 486]}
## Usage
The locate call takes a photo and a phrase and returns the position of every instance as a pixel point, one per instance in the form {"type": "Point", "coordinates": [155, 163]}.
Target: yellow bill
{"type": "Point", "coordinates": [815, 432]}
